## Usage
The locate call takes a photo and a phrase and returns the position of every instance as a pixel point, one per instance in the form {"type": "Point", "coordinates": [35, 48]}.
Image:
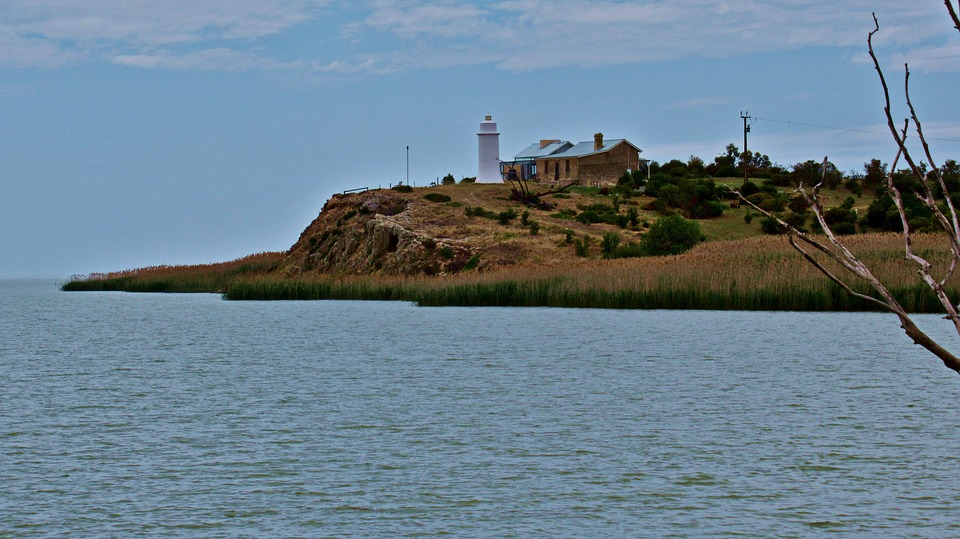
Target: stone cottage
{"type": "Point", "coordinates": [591, 163]}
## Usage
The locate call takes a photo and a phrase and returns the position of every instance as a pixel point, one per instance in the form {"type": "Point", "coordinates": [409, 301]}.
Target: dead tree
{"type": "Point", "coordinates": [520, 190]}
{"type": "Point", "coordinates": [929, 182]}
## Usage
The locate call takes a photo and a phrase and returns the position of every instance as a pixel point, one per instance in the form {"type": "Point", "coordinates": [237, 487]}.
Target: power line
{"type": "Point", "coordinates": [790, 122]}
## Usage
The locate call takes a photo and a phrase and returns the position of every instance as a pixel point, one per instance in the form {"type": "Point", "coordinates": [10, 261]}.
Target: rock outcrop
{"type": "Point", "coordinates": [373, 233]}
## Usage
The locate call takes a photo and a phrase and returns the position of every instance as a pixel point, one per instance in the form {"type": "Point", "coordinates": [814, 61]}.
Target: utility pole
{"type": "Point", "coordinates": [408, 164]}
{"type": "Point", "coordinates": [746, 129]}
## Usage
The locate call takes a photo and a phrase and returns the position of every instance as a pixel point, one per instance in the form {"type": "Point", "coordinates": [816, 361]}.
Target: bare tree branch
{"type": "Point", "coordinates": [953, 14]}
{"type": "Point", "coordinates": [835, 250]}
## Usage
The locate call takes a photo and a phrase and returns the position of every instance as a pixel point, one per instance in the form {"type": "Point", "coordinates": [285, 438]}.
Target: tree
{"type": "Point", "coordinates": [928, 182]}
{"type": "Point", "coordinates": [695, 165]}
{"type": "Point", "coordinates": [724, 165]}
{"type": "Point", "coordinates": [671, 235]}
{"type": "Point", "coordinates": [875, 173]}
{"type": "Point", "coordinates": [810, 172]}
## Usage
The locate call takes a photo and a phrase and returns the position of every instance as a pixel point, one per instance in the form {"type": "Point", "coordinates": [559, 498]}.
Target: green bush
{"type": "Point", "coordinates": [589, 217]}
{"type": "Point", "coordinates": [797, 220]}
{"type": "Point", "coordinates": [567, 213]}
{"type": "Point", "coordinates": [707, 209]}
{"type": "Point", "coordinates": [534, 228]}
{"type": "Point", "coordinates": [769, 225]}
{"type": "Point", "coordinates": [479, 211]}
{"type": "Point", "coordinates": [609, 243]}
{"type": "Point", "coordinates": [630, 250]}
{"type": "Point", "coordinates": [506, 216]}
{"type": "Point", "coordinates": [472, 263]}
{"type": "Point", "coordinates": [436, 197]}
{"type": "Point", "coordinates": [582, 246]}
{"type": "Point", "coordinates": [671, 235]}
{"type": "Point", "coordinates": [400, 188]}
{"type": "Point", "coordinates": [448, 180]}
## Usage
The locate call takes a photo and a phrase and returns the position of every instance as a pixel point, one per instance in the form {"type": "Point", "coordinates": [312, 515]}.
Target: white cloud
{"type": "Point", "coordinates": [932, 59]}
{"type": "Point", "coordinates": [25, 51]}
{"type": "Point", "coordinates": [57, 32]}
{"type": "Point", "coordinates": [155, 23]}
{"type": "Point", "coordinates": [380, 36]}
{"type": "Point", "coordinates": [218, 59]}
{"type": "Point", "coordinates": [431, 19]}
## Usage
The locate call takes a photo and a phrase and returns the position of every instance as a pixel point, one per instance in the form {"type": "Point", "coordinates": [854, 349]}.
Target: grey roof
{"type": "Point", "coordinates": [586, 148]}
{"type": "Point", "coordinates": [534, 151]}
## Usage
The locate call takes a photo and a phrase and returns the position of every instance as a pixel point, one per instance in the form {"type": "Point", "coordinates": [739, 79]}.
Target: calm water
{"type": "Point", "coordinates": [132, 415]}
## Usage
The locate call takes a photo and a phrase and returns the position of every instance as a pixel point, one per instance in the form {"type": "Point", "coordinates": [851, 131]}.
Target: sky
{"type": "Point", "coordinates": [136, 133]}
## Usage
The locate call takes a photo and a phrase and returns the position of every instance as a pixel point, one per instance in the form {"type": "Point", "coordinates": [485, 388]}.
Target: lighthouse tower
{"type": "Point", "coordinates": [489, 169]}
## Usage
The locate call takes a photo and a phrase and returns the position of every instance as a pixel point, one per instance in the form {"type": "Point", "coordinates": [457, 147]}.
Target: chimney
{"type": "Point", "coordinates": [546, 142]}
{"type": "Point", "coordinates": [597, 142]}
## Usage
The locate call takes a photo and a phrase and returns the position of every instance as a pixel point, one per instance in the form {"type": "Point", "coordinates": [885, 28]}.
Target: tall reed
{"type": "Point", "coordinates": [762, 273]}
{"type": "Point", "coordinates": [193, 278]}
{"type": "Point", "coordinates": [757, 273]}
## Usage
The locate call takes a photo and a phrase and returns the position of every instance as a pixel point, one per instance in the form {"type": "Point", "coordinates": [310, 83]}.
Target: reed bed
{"type": "Point", "coordinates": [759, 273]}
{"type": "Point", "coordinates": [181, 279]}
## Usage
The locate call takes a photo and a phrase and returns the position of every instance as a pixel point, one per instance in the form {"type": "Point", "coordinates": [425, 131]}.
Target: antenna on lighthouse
{"type": "Point", "coordinates": [488, 170]}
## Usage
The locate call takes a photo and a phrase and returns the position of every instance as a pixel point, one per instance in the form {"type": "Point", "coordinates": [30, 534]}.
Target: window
{"type": "Point", "coordinates": [568, 167]}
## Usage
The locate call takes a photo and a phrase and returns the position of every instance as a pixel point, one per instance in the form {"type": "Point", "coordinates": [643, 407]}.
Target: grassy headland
{"type": "Point", "coordinates": [473, 246]}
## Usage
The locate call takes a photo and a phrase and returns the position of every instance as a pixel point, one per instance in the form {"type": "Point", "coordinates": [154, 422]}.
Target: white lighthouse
{"type": "Point", "coordinates": [489, 166]}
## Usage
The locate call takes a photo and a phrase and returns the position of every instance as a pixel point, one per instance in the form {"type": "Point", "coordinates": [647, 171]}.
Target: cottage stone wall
{"type": "Point", "coordinates": [602, 168]}
{"type": "Point", "coordinates": [607, 167]}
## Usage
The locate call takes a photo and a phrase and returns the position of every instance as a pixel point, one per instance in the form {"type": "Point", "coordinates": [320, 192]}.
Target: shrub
{"type": "Point", "coordinates": [506, 216]}
{"type": "Point", "coordinates": [589, 217]}
{"type": "Point", "coordinates": [436, 197]}
{"type": "Point", "coordinates": [479, 211]}
{"type": "Point", "coordinates": [630, 250]}
{"type": "Point", "coordinates": [430, 243]}
{"type": "Point", "coordinates": [633, 216]}
{"type": "Point", "coordinates": [446, 252]}
{"type": "Point", "coordinates": [472, 263]}
{"type": "Point", "coordinates": [609, 244]}
{"type": "Point", "coordinates": [748, 188]}
{"type": "Point", "coordinates": [448, 180]}
{"type": "Point", "coordinates": [400, 188]}
{"type": "Point", "coordinates": [525, 218]}
{"type": "Point", "coordinates": [671, 235]}
{"type": "Point", "coordinates": [472, 179]}
{"type": "Point", "coordinates": [567, 235]}
{"type": "Point", "coordinates": [582, 246]}
{"type": "Point", "coordinates": [534, 228]}
{"type": "Point", "coordinates": [565, 214]}
{"type": "Point", "coordinates": [769, 225]}
{"type": "Point", "coordinates": [797, 220]}
{"type": "Point", "coordinates": [748, 218]}
{"type": "Point", "coordinates": [707, 209]}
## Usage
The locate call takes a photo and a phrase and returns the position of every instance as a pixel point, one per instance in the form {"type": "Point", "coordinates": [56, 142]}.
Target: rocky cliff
{"type": "Point", "coordinates": [376, 232]}
{"type": "Point", "coordinates": [439, 230]}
